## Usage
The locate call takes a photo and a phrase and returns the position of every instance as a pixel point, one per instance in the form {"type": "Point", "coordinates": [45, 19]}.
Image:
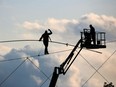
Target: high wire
{"type": "Point", "coordinates": [7, 41]}
{"type": "Point", "coordinates": [67, 44]}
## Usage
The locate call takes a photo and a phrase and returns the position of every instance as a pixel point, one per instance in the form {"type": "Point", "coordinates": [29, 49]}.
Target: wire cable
{"type": "Point", "coordinates": [113, 41]}
{"type": "Point", "coordinates": [34, 56]}
{"type": "Point", "coordinates": [48, 77]}
{"type": "Point", "coordinates": [7, 41]}
{"type": "Point", "coordinates": [10, 59]}
{"type": "Point", "coordinates": [94, 68]}
{"type": "Point", "coordinates": [31, 62]}
{"type": "Point", "coordinates": [55, 52]}
{"type": "Point", "coordinates": [37, 67]}
{"type": "Point", "coordinates": [12, 73]}
{"type": "Point", "coordinates": [45, 81]}
{"type": "Point", "coordinates": [58, 52]}
{"type": "Point", "coordinates": [67, 44]}
{"type": "Point", "coordinates": [99, 67]}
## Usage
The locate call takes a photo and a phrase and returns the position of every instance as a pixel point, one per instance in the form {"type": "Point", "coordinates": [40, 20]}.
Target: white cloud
{"type": "Point", "coordinates": [74, 78]}
{"type": "Point", "coordinates": [59, 24]}
{"type": "Point", "coordinates": [35, 61]}
{"type": "Point", "coordinates": [37, 79]}
{"type": "Point", "coordinates": [28, 36]}
{"type": "Point", "coordinates": [104, 22]}
{"type": "Point", "coordinates": [4, 49]}
{"type": "Point", "coordinates": [74, 26]}
{"type": "Point", "coordinates": [32, 25]}
{"type": "Point", "coordinates": [52, 23]}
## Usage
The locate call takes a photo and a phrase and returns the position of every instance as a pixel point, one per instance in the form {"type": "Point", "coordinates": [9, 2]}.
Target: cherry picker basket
{"type": "Point", "coordinates": [87, 42]}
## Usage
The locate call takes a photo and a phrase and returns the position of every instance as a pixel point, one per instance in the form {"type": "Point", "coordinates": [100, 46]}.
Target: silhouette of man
{"type": "Point", "coordinates": [92, 32]}
{"type": "Point", "coordinates": [46, 38]}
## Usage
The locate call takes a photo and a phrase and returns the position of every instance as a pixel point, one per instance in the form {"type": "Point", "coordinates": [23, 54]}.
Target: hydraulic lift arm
{"type": "Point", "coordinates": [65, 65]}
{"type": "Point", "coordinates": [86, 42]}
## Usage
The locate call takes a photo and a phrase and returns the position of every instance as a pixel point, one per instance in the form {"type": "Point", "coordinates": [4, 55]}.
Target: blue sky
{"type": "Point", "coordinates": [13, 11]}
{"type": "Point", "coordinates": [43, 9]}
{"type": "Point", "coordinates": [27, 19]}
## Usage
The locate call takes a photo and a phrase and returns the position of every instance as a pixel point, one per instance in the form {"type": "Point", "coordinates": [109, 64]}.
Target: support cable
{"type": "Point", "coordinates": [94, 68]}
{"type": "Point", "coordinates": [34, 56]}
{"type": "Point", "coordinates": [12, 73]}
{"type": "Point", "coordinates": [113, 41]}
{"type": "Point", "coordinates": [48, 77]}
{"type": "Point", "coordinates": [45, 81]}
{"type": "Point", "coordinates": [38, 68]}
{"type": "Point", "coordinates": [99, 67]}
{"type": "Point", "coordinates": [10, 59]}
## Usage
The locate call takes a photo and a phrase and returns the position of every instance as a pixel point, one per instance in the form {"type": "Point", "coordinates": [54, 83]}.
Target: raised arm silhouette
{"type": "Point", "coordinates": [46, 38]}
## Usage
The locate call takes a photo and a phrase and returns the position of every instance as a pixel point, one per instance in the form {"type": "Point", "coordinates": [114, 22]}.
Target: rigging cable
{"type": "Point", "coordinates": [12, 72]}
{"type": "Point", "coordinates": [37, 67]}
{"type": "Point", "coordinates": [34, 56]}
{"type": "Point", "coordinates": [10, 59]}
{"type": "Point", "coordinates": [94, 68]}
{"type": "Point", "coordinates": [111, 41]}
{"type": "Point", "coordinates": [48, 77]}
{"type": "Point", "coordinates": [99, 67]}
{"type": "Point", "coordinates": [31, 62]}
{"type": "Point", "coordinates": [52, 53]}
{"type": "Point", "coordinates": [46, 80]}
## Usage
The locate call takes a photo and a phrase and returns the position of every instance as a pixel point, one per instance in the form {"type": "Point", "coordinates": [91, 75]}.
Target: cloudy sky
{"type": "Point", "coordinates": [28, 19]}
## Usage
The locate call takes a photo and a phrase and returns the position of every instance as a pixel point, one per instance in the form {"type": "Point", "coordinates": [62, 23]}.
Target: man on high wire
{"type": "Point", "coordinates": [46, 38]}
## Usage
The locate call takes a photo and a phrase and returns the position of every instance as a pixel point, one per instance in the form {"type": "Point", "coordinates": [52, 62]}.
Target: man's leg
{"type": "Point", "coordinates": [46, 50]}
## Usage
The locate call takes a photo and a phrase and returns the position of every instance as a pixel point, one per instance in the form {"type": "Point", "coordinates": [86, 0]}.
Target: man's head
{"type": "Point", "coordinates": [90, 25]}
{"type": "Point", "coordinates": [46, 31]}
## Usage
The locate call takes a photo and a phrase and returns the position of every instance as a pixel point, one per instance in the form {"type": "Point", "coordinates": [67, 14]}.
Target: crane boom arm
{"type": "Point", "coordinates": [65, 65]}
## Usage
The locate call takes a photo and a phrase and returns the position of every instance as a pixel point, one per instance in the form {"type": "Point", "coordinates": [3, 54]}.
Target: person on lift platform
{"type": "Point", "coordinates": [92, 33]}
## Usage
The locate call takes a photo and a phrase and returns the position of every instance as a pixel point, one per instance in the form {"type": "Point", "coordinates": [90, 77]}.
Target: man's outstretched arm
{"type": "Point", "coordinates": [41, 38]}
